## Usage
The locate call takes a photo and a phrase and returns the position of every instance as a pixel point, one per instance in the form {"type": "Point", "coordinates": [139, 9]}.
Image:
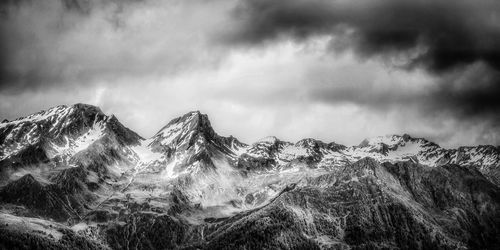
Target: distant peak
{"type": "Point", "coordinates": [269, 139]}
{"type": "Point", "coordinates": [385, 139]}
{"type": "Point", "coordinates": [309, 142]}
{"type": "Point", "coordinates": [407, 137]}
{"type": "Point", "coordinates": [394, 141]}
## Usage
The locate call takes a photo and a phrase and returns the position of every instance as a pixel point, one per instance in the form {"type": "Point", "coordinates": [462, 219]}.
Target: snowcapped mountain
{"type": "Point", "coordinates": [186, 145]}
{"type": "Point", "coordinates": [67, 154]}
{"type": "Point", "coordinates": [61, 133]}
{"type": "Point", "coordinates": [396, 148]}
{"type": "Point", "coordinates": [87, 178]}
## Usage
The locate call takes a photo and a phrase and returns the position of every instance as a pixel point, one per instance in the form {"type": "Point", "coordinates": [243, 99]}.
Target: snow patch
{"type": "Point", "coordinates": [84, 141]}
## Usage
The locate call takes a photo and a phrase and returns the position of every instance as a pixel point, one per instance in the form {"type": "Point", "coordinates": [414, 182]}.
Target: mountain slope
{"type": "Point", "coordinates": [59, 133]}
{"type": "Point", "coordinates": [363, 206]}
{"type": "Point", "coordinates": [68, 158]}
{"type": "Point", "coordinates": [72, 176]}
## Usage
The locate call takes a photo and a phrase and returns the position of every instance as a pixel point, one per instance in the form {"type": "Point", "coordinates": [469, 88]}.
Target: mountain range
{"type": "Point", "coordinates": [72, 177]}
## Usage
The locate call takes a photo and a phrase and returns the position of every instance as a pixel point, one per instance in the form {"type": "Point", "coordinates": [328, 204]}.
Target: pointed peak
{"type": "Point", "coordinates": [185, 127]}
{"type": "Point", "coordinates": [193, 116]}
{"type": "Point", "coordinates": [193, 119]}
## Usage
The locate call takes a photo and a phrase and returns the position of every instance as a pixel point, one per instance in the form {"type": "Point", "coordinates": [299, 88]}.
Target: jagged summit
{"type": "Point", "coordinates": [393, 139]}
{"type": "Point", "coordinates": [193, 129]}
{"type": "Point", "coordinates": [186, 130]}
{"type": "Point", "coordinates": [190, 140]}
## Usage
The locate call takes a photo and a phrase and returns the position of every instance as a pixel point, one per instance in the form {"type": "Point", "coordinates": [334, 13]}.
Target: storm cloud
{"type": "Point", "coordinates": [454, 40]}
{"type": "Point", "coordinates": [438, 35]}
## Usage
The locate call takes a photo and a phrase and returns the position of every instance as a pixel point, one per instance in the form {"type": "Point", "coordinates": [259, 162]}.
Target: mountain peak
{"type": "Point", "coordinates": [309, 142]}
{"type": "Point", "coordinates": [57, 113]}
{"type": "Point", "coordinates": [62, 130]}
{"type": "Point", "coordinates": [194, 118]}
{"type": "Point", "coordinates": [83, 107]}
{"type": "Point", "coordinates": [389, 140]}
{"type": "Point", "coordinates": [194, 112]}
{"type": "Point", "coordinates": [187, 126]}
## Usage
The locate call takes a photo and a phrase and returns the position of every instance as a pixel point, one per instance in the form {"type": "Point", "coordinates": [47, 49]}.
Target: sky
{"type": "Point", "coordinates": [335, 70]}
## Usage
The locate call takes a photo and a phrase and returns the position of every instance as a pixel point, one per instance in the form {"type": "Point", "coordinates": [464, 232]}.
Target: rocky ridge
{"type": "Point", "coordinates": [72, 176]}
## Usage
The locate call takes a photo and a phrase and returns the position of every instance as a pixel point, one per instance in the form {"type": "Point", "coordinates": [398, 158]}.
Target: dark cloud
{"type": "Point", "coordinates": [455, 41]}
{"type": "Point", "coordinates": [30, 37]}
{"type": "Point", "coordinates": [471, 91]}
{"type": "Point", "coordinates": [54, 43]}
{"type": "Point", "coordinates": [438, 35]}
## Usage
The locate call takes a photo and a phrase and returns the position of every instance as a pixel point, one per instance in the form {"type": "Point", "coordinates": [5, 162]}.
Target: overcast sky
{"type": "Point", "coordinates": [336, 70]}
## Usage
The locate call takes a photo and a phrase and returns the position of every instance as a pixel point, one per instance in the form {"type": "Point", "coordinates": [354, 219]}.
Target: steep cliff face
{"type": "Point", "coordinates": [74, 177]}
{"type": "Point", "coordinates": [189, 140]}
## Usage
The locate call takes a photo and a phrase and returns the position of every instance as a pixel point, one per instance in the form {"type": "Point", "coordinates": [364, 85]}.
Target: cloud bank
{"type": "Point", "coordinates": [455, 40]}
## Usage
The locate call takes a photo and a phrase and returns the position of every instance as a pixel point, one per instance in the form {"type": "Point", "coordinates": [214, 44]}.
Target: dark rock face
{"type": "Point", "coordinates": [47, 200]}
{"type": "Point", "coordinates": [71, 179]}
{"type": "Point", "coordinates": [249, 163]}
{"type": "Point", "coordinates": [34, 154]}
